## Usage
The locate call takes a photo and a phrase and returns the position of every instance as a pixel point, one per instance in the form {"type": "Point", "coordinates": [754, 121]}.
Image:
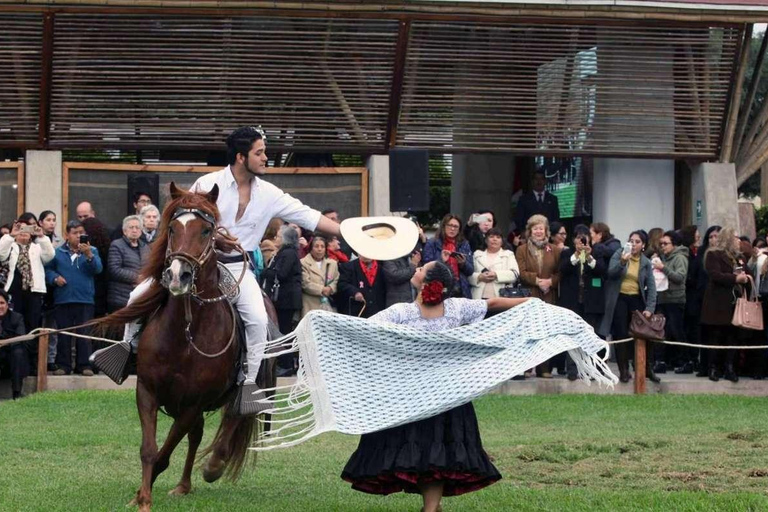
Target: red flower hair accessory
{"type": "Point", "coordinates": [432, 293]}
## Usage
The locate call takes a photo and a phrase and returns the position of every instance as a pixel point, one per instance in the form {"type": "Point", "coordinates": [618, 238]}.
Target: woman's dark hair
{"type": "Point", "coordinates": [688, 235]}
{"type": "Point", "coordinates": [705, 240]}
{"type": "Point", "coordinates": [674, 237]}
{"type": "Point", "coordinates": [241, 141]}
{"type": "Point", "coordinates": [642, 234]}
{"type": "Point", "coordinates": [554, 227]}
{"type": "Point", "coordinates": [26, 217]}
{"type": "Point", "coordinates": [442, 273]}
{"type": "Point", "coordinates": [580, 230]}
{"type": "Point", "coordinates": [440, 234]}
{"type": "Point", "coordinates": [494, 232]}
{"type": "Point", "coordinates": [46, 213]}
{"type": "Point", "coordinates": [4, 294]}
{"type": "Point", "coordinates": [602, 229]}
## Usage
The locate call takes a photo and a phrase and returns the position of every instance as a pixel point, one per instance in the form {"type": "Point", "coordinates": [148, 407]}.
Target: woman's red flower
{"type": "Point", "coordinates": [432, 293]}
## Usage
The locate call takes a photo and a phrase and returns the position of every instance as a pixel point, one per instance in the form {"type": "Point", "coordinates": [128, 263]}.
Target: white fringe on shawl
{"type": "Point", "coordinates": [358, 376]}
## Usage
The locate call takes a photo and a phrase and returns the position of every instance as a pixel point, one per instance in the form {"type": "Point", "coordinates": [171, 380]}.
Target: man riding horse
{"type": "Point", "coordinates": [246, 204]}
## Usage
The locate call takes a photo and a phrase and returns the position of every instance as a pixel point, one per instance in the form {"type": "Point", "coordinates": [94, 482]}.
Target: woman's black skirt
{"type": "Point", "coordinates": [446, 448]}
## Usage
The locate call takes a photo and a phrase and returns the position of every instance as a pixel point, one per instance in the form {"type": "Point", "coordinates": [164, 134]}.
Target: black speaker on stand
{"type": "Point", "coordinates": [147, 183]}
{"type": "Point", "coordinates": [408, 180]}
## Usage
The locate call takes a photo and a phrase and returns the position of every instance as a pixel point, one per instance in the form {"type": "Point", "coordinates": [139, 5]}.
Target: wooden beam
{"type": "Point", "coordinates": [44, 122]}
{"type": "Point", "coordinates": [744, 118]}
{"type": "Point", "coordinates": [398, 73]}
{"type": "Point", "coordinates": [733, 111]}
{"type": "Point", "coordinates": [20, 188]}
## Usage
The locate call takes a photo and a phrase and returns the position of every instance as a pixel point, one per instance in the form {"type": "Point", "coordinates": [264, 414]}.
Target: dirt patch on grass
{"type": "Point", "coordinates": [758, 473]}
{"type": "Point", "coordinates": [746, 435]}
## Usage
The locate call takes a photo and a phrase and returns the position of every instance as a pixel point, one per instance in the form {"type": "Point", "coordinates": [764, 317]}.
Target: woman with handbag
{"type": "Point", "coordinates": [494, 267]}
{"type": "Point", "coordinates": [726, 268]}
{"type": "Point", "coordinates": [319, 278]}
{"type": "Point", "coordinates": [629, 286]}
{"type": "Point", "coordinates": [539, 263]}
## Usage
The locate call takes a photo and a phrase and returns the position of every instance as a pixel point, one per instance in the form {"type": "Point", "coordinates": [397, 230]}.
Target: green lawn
{"type": "Point", "coordinates": [79, 451]}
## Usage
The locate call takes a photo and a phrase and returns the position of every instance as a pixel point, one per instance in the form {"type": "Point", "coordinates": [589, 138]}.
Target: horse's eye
{"type": "Point", "coordinates": [206, 232]}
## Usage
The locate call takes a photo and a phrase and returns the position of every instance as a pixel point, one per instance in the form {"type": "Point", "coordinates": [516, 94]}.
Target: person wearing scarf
{"type": "Point", "coordinates": [539, 263]}
{"type": "Point", "coordinates": [335, 252]}
{"type": "Point", "coordinates": [448, 246]}
{"type": "Point", "coordinates": [362, 291]}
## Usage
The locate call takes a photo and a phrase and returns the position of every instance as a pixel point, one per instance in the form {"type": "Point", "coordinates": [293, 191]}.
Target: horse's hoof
{"type": "Point", "coordinates": [212, 472]}
{"type": "Point", "coordinates": [144, 507]}
{"type": "Point", "coordinates": [180, 490]}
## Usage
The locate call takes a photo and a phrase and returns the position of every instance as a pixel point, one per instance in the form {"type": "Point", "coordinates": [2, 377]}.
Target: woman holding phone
{"type": "Point", "coordinates": [449, 247]}
{"type": "Point", "coordinates": [629, 287]}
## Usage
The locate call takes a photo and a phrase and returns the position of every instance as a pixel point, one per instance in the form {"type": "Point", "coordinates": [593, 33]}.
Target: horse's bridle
{"type": "Point", "coordinates": [197, 263]}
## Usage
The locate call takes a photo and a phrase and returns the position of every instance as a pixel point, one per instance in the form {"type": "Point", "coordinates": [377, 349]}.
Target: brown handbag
{"type": "Point", "coordinates": [647, 328]}
{"type": "Point", "coordinates": [748, 313]}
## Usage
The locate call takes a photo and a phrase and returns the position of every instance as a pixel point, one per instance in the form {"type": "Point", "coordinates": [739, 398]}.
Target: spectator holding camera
{"type": "Point", "coordinates": [448, 245]}
{"type": "Point", "coordinates": [629, 286]}
{"type": "Point", "coordinates": [126, 257]}
{"type": "Point", "coordinates": [72, 271]}
{"type": "Point", "coordinates": [477, 227]}
{"type": "Point", "coordinates": [27, 250]}
{"type": "Point", "coordinates": [494, 267]}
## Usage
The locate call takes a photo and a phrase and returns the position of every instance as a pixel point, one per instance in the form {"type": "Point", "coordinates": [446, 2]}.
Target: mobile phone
{"type": "Point", "coordinates": [84, 239]}
{"type": "Point", "coordinates": [738, 270]}
{"type": "Point", "coordinates": [583, 240]}
{"type": "Point", "coordinates": [455, 254]}
{"type": "Point", "coordinates": [628, 248]}
{"type": "Point", "coordinates": [481, 218]}
{"type": "Point", "coordinates": [28, 228]}
{"type": "Point", "coordinates": [484, 271]}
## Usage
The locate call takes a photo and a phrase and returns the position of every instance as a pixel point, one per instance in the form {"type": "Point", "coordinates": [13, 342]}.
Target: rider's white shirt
{"type": "Point", "coordinates": [267, 202]}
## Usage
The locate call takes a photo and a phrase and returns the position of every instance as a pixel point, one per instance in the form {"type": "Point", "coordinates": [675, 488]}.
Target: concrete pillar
{"type": "Point", "coordinates": [378, 185]}
{"type": "Point", "coordinates": [630, 193]}
{"type": "Point", "coordinates": [714, 195]}
{"type": "Point", "coordinates": [483, 181]}
{"type": "Point", "coordinates": [43, 183]}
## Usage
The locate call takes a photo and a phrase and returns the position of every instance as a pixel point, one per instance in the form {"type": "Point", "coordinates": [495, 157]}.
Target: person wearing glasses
{"type": "Point", "coordinates": [450, 247]}
{"type": "Point", "coordinates": [674, 264]}
{"type": "Point", "coordinates": [629, 286]}
{"type": "Point", "coordinates": [559, 235]}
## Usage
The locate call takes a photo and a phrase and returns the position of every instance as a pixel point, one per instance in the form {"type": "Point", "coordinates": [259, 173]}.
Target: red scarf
{"type": "Point", "coordinates": [370, 273]}
{"type": "Point", "coordinates": [449, 244]}
{"type": "Point", "coordinates": [338, 256]}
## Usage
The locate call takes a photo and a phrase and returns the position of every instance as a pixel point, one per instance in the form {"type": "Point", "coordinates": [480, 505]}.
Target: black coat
{"type": "Point", "coordinates": [351, 281]}
{"type": "Point", "coordinates": [12, 325]}
{"type": "Point", "coordinates": [570, 278]}
{"type": "Point", "coordinates": [397, 277]}
{"type": "Point", "coordinates": [124, 266]}
{"type": "Point", "coordinates": [528, 206]}
{"type": "Point", "coordinates": [286, 268]}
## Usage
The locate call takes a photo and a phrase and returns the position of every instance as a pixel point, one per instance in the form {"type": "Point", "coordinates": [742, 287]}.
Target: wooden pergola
{"type": "Point", "coordinates": [625, 78]}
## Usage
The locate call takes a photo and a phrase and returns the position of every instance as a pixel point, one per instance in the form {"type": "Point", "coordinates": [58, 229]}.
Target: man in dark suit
{"type": "Point", "coordinates": [537, 201]}
{"type": "Point", "coordinates": [361, 283]}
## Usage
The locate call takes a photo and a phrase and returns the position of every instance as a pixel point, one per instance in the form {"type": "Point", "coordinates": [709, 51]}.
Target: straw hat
{"type": "Point", "coordinates": [380, 238]}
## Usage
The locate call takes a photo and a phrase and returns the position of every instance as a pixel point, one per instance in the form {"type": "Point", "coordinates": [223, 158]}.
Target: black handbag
{"type": "Point", "coordinates": [516, 290]}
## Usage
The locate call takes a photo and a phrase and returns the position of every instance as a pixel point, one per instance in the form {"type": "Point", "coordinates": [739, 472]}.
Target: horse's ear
{"type": "Point", "coordinates": [176, 192]}
{"type": "Point", "coordinates": [213, 195]}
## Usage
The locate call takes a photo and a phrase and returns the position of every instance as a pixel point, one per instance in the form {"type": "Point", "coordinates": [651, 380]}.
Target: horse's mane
{"type": "Point", "coordinates": [156, 295]}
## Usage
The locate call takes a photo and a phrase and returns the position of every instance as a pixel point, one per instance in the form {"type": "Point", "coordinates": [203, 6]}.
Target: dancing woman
{"type": "Point", "coordinates": [442, 455]}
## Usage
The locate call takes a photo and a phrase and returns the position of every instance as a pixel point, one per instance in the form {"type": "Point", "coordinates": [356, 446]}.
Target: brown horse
{"type": "Point", "coordinates": [187, 359]}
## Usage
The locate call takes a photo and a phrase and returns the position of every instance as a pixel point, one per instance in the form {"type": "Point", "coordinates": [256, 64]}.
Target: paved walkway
{"type": "Point", "coordinates": [670, 383]}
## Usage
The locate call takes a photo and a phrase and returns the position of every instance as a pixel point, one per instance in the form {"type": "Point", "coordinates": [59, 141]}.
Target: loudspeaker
{"type": "Point", "coordinates": [148, 183]}
{"type": "Point", "coordinates": [408, 180]}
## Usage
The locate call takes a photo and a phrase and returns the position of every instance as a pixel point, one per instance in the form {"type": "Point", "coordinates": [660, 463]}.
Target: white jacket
{"type": "Point", "coordinates": [505, 266]}
{"type": "Point", "coordinates": [41, 251]}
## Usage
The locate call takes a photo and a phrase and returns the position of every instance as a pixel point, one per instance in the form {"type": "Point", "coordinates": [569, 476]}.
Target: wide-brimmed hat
{"type": "Point", "coordinates": [380, 238]}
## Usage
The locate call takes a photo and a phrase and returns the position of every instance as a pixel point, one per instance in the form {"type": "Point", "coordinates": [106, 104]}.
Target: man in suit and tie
{"type": "Point", "coordinates": [537, 201]}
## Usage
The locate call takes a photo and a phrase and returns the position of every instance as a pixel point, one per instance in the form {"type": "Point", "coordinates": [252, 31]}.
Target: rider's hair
{"type": "Point", "coordinates": [241, 141]}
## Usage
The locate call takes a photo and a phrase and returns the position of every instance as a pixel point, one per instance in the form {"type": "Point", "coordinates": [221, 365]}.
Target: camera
{"type": "Point", "coordinates": [84, 239]}
{"type": "Point", "coordinates": [456, 254]}
{"type": "Point", "coordinates": [583, 240]}
{"type": "Point", "coordinates": [28, 228]}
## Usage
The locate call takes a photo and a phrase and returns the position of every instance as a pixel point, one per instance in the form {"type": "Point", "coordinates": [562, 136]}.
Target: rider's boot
{"type": "Point", "coordinates": [115, 360]}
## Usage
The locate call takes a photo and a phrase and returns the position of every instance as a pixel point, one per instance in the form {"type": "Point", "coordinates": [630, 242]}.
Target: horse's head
{"type": "Point", "coordinates": [191, 230]}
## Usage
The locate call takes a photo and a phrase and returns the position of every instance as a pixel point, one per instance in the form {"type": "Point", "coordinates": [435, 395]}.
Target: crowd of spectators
{"type": "Point", "coordinates": [62, 280]}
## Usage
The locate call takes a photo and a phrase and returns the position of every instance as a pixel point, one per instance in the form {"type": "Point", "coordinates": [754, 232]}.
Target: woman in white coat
{"type": "Point", "coordinates": [494, 267]}
{"type": "Point", "coordinates": [26, 250]}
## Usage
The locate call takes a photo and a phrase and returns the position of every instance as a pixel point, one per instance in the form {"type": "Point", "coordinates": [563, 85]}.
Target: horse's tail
{"type": "Point", "coordinates": [238, 439]}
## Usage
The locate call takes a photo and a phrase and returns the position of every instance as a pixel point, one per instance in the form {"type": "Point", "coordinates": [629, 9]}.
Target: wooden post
{"type": "Point", "coordinates": [735, 103]}
{"type": "Point", "coordinates": [639, 366]}
{"type": "Point", "coordinates": [42, 363]}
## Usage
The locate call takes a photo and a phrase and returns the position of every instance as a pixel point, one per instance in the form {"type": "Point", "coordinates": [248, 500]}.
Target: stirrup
{"type": "Point", "coordinates": [248, 397]}
{"type": "Point", "coordinates": [113, 361]}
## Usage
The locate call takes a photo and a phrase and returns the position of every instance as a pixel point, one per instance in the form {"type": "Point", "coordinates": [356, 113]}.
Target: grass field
{"type": "Point", "coordinates": [79, 451]}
